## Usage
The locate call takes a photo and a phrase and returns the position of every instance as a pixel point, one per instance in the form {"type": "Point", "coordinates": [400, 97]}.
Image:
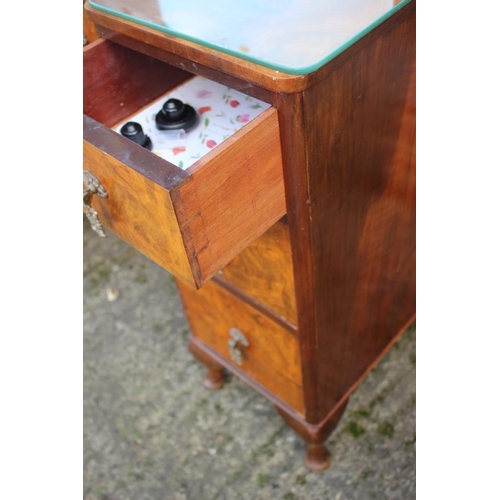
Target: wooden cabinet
{"type": "Point", "coordinates": [300, 229]}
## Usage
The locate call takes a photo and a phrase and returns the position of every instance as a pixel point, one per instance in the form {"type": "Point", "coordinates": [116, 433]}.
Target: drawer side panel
{"type": "Point", "coordinates": [117, 81]}
{"type": "Point", "coordinates": [236, 196]}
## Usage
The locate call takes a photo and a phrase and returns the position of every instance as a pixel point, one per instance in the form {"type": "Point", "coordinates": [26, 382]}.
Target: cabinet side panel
{"type": "Point", "coordinates": [363, 210]}
{"type": "Point", "coordinates": [359, 154]}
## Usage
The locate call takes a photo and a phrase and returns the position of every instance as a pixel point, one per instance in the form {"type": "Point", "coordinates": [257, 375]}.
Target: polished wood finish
{"type": "Point", "coordinates": [190, 222]}
{"type": "Point", "coordinates": [233, 194]}
{"type": "Point", "coordinates": [264, 273]}
{"type": "Point", "coordinates": [317, 457]}
{"type": "Point", "coordinates": [272, 358]}
{"type": "Point", "coordinates": [210, 72]}
{"type": "Point", "coordinates": [350, 181]}
{"type": "Point", "coordinates": [213, 379]}
{"type": "Point", "coordinates": [137, 209]}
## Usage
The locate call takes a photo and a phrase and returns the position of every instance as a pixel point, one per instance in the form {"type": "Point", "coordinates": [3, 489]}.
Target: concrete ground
{"type": "Point", "coordinates": [152, 432]}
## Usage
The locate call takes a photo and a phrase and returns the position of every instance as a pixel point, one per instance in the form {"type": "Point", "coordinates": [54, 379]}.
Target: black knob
{"type": "Point", "coordinates": [175, 115]}
{"type": "Point", "coordinates": [174, 109]}
{"type": "Point", "coordinates": [134, 132]}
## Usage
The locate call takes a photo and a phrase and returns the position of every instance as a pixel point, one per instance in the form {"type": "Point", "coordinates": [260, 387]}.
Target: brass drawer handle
{"type": "Point", "coordinates": [237, 338]}
{"type": "Point", "coordinates": [93, 187]}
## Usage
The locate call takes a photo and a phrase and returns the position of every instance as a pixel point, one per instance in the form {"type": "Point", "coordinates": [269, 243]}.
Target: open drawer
{"type": "Point", "coordinates": [191, 222]}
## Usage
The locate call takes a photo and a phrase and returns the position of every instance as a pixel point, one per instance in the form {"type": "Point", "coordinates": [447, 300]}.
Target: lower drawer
{"type": "Point", "coordinates": [248, 340]}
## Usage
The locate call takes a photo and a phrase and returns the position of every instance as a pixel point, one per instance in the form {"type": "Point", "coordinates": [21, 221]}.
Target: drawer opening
{"type": "Point", "coordinates": [219, 110]}
{"type": "Point", "coordinates": [190, 221]}
{"type": "Point", "coordinates": [118, 81]}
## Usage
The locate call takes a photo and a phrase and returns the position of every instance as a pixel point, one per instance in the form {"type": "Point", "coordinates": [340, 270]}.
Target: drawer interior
{"type": "Point", "coordinates": [219, 113]}
{"type": "Point", "coordinates": [191, 222]}
{"type": "Point", "coordinates": [117, 81]}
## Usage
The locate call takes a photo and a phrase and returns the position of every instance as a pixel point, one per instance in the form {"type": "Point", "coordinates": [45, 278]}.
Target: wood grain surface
{"type": "Point", "coordinates": [233, 194]}
{"type": "Point", "coordinates": [349, 165]}
{"type": "Point", "coordinates": [191, 223]}
{"type": "Point", "coordinates": [137, 209]}
{"type": "Point", "coordinates": [215, 208]}
{"type": "Point", "coordinates": [89, 29]}
{"type": "Point", "coordinates": [118, 81]}
{"type": "Point", "coordinates": [263, 271]}
{"type": "Point", "coordinates": [272, 358]}
{"type": "Point", "coordinates": [348, 150]}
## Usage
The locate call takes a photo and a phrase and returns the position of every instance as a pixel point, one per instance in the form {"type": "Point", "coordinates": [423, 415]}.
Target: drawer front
{"type": "Point", "coordinates": [137, 209]}
{"type": "Point", "coordinates": [272, 356]}
{"type": "Point", "coordinates": [190, 222]}
{"type": "Point", "coordinates": [264, 272]}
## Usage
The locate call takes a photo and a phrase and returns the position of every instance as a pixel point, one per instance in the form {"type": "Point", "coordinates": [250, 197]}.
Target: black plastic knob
{"type": "Point", "coordinates": [134, 132]}
{"type": "Point", "coordinates": [175, 115]}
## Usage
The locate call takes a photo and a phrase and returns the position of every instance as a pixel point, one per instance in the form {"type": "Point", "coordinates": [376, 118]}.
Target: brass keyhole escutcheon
{"type": "Point", "coordinates": [237, 340]}
{"type": "Point", "coordinates": [93, 187]}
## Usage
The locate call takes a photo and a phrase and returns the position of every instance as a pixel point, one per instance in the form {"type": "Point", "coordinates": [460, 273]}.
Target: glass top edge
{"type": "Point", "coordinates": [295, 71]}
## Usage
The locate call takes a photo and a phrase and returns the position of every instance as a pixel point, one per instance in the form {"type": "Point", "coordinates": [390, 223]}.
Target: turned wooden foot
{"type": "Point", "coordinates": [214, 377]}
{"type": "Point", "coordinates": [317, 456]}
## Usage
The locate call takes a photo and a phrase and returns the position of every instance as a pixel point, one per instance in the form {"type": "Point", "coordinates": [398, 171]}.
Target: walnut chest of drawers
{"type": "Point", "coordinates": [293, 241]}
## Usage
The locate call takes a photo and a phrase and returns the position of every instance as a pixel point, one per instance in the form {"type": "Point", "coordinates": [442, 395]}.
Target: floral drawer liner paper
{"type": "Point", "coordinates": [221, 110]}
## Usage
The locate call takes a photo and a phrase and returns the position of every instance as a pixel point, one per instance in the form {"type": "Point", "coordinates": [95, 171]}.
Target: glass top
{"type": "Point", "coordinates": [293, 36]}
